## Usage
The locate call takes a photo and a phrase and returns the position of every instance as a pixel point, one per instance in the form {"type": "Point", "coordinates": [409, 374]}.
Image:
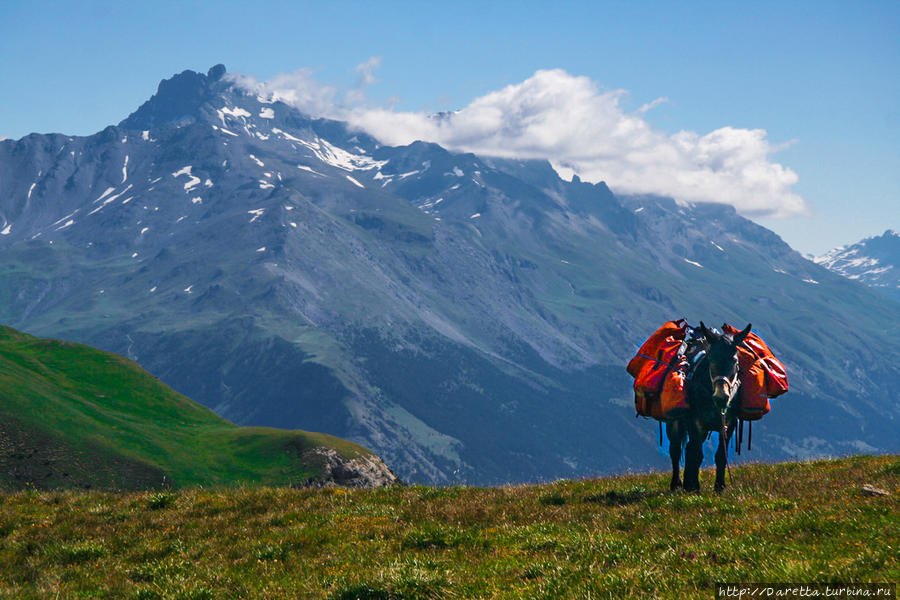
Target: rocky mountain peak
{"type": "Point", "coordinates": [874, 261]}
{"type": "Point", "coordinates": [216, 72]}
{"type": "Point", "coordinates": [177, 100]}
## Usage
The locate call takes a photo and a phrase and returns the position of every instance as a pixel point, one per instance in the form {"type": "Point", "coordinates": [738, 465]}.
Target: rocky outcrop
{"type": "Point", "coordinates": [366, 472]}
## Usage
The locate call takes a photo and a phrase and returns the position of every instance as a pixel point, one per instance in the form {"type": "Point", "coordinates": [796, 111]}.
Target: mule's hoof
{"type": "Point", "coordinates": [720, 488]}
{"type": "Point", "coordinates": [692, 488]}
{"type": "Point", "coordinates": [675, 485]}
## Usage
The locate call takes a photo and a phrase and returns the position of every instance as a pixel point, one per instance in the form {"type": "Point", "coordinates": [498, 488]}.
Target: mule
{"type": "Point", "coordinates": [714, 406]}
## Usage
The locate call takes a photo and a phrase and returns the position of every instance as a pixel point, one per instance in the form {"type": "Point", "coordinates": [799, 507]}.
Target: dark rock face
{"type": "Point", "coordinates": [215, 73]}
{"type": "Point", "coordinates": [176, 101]}
{"type": "Point", "coordinates": [467, 318]}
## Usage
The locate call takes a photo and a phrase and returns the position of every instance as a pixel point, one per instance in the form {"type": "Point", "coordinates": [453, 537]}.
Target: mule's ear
{"type": "Point", "coordinates": [740, 336]}
{"type": "Point", "coordinates": [708, 335]}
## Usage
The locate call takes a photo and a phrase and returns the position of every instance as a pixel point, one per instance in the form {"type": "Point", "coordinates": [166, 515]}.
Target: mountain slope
{"type": "Point", "coordinates": [73, 416]}
{"type": "Point", "coordinates": [468, 318]}
{"type": "Point", "coordinates": [874, 261]}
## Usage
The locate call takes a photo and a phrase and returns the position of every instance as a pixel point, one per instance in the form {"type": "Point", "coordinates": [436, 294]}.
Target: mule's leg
{"type": "Point", "coordinates": [693, 458]}
{"type": "Point", "coordinates": [722, 460]}
{"type": "Point", "coordinates": [675, 433]}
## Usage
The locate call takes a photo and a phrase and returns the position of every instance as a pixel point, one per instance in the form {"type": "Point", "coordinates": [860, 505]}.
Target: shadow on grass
{"type": "Point", "coordinates": [366, 592]}
{"type": "Point", "coordinates": [623, 497]}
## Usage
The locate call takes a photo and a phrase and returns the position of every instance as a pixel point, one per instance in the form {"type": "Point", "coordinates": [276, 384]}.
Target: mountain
{"type": "Point", "coordinates": [874, 261]}
{"type": "Point", "coordinates": [73, 416]}
{"type": "Point", "coordinates": [466, 317]}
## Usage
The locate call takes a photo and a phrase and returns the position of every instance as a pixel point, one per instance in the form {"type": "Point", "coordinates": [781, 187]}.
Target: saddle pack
{"type": "Point", "coordinates": [662, 367]}
{"type": "Point", "coordinates": [762, 375]}
{"type": "Point", "coordinates": [660, 372]}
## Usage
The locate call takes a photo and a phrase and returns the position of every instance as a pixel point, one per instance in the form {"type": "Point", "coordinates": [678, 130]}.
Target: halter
{"type": "Point", "coordinates": [733, 384]}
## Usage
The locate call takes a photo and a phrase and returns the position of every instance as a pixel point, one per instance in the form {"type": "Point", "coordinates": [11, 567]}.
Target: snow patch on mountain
{"type": "Point", "coordinates": [340, 158]}
{"type": "Point", "coordinates": [192, 180]}
{"type": "Point", "coordinates": [310, 170]}
{"type": "Point", "coordinates": [109, 200]}
{"type": "Point", "coordinates": [285, 135]}
{"type": "Point", "coordinates": [223, 130]}
{"type": "Point", "coordinates": [231, 112]}
{"type": "Point", "coordinates": [871, 261]}
{"type": "Point", "coordinates": [109, 190]}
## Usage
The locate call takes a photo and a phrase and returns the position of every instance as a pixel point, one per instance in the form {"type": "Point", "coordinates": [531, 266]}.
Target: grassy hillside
{"type": "Point", "coordinates": [608, 538]}
{"type": "Point", "coordinates": [73, 416]}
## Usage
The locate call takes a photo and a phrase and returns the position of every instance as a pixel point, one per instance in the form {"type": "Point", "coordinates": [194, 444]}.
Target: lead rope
{"type": "Point", "coordinates": [722, 436]}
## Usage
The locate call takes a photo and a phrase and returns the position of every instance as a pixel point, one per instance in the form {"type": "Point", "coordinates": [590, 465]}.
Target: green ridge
{"type": "Point", "coordinates": [74, 416]}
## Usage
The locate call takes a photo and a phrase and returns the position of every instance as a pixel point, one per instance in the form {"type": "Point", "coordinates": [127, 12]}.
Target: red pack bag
{"type": "Point", "coordinates": [649, 350]}
{"type": "Point", "coordinates": [754, 398]}
{"type": "Point", "coordinates": [762, 375]}
{"type": "Point", "coordinates": [647, 404]}
{"type": "Point", "coordinates": [651, 368]}
{"type": "Point", "coordinates": [673, 398]}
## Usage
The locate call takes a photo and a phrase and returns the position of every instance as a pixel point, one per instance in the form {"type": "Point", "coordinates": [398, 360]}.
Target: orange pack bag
{"type": "Point", "coordinates": [652, 368]}
{"type": "Point", "coordinates": [762, 375]}
{"type": "Point", "coordinates": [754, 399]}
{"type": "Point", "coordinates": [649, 350]}
{"type": "Point", "coordinates": [673, 398]}
{"type": "Point", "coordinates": [647, 404]}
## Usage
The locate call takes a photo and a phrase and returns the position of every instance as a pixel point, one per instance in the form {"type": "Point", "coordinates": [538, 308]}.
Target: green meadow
{"type": "Point", "coordinates": [616, 537]}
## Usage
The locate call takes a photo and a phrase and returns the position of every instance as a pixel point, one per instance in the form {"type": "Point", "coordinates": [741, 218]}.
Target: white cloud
{"type": "Point", "coordinates": [654, 104]}
{"type": "Point", "coordinates": [579, 128]}
{"type": "Point", "coordinates": [299, 89]}
{"type": "Point", "coordinates": [366, 70]}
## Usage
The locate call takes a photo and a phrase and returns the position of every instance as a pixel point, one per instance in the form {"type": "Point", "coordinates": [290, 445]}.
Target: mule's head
{"type": "Point", "coordinates": [722, 355]}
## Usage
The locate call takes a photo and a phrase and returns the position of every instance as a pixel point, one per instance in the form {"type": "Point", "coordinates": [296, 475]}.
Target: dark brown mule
{"type": "Point", "coordinates": [715, 405]}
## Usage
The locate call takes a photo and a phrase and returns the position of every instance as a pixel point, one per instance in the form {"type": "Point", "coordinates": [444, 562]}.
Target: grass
{"type": "Point", "coordinates": [73, 416]}
{"type": "Point", "coordinates": [598, 538]}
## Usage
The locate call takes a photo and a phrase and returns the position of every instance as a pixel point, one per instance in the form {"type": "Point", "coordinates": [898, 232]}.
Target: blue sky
{"type": "Point", "coordinates": [821, 78]}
